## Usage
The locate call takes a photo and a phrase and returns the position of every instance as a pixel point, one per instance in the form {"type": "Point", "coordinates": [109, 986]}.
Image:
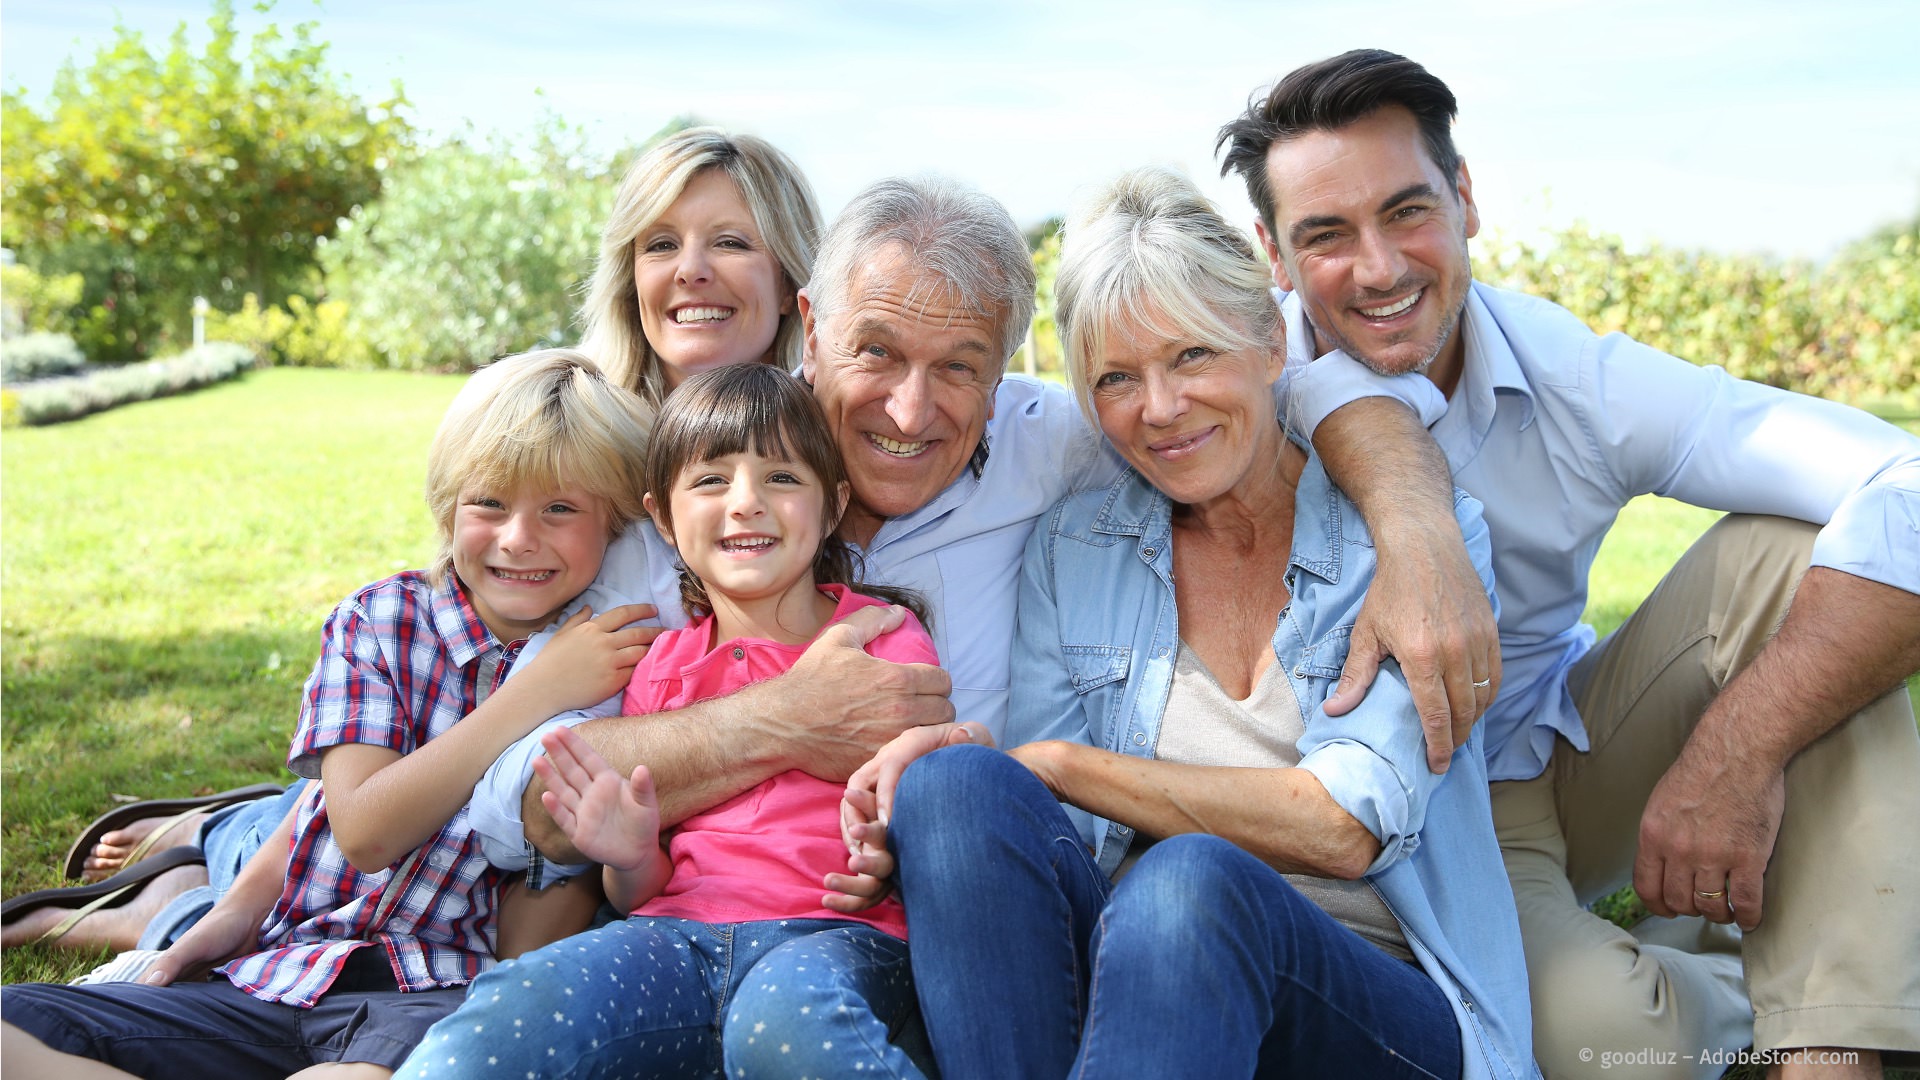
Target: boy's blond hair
{"type": "Point", "coordinates": [547, 418]}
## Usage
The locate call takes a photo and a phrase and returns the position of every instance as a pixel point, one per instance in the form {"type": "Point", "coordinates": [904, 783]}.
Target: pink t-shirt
{"type": "Point", "coordinates": [761, 854]}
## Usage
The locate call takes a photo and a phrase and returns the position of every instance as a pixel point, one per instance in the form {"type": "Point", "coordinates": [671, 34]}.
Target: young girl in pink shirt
{"type": "Point", "coordinates": [728, 934]}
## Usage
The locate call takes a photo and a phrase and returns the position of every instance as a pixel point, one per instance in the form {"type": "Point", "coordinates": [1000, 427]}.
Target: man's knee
{"type": "Point", "coordinates": [1593, 1005]}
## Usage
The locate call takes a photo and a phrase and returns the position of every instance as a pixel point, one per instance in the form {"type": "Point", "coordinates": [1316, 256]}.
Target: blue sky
{"type": "Point", "coordinates": [1755, 126]}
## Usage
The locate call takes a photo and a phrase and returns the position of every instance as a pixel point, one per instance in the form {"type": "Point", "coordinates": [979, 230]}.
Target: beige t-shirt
{"type": "Point", "coordinates": [1204, 726]}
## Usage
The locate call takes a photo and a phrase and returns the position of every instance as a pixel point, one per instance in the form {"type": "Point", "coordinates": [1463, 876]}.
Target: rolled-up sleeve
{"type": "Point", "coordinates": [1319, 389]}
{"type": "Point", "coordinates": [1373, 759]}
{"type": "Point", "coordinates": [494, 812]}
{"type": "Point", "coordinates": [1702, 436]}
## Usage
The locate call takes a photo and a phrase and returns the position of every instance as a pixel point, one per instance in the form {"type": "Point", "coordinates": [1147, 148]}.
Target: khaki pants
{"type": "Point", "coordinates": [1836, 959]}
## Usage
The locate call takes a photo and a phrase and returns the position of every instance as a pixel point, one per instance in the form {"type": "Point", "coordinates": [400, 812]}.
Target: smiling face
{"type": "Point", "coordinates": [907, 387]}
{"type": "Point", "coordinates": [710, 291]}
{"type": "Point", "coordinates": [523, 555]}
{"type": "Point", "coordinates": [1374, 239]}
{"type": "Point", "coordinates": [1194, 422]}
{"type": "Point", "coordinates": [749, 527]}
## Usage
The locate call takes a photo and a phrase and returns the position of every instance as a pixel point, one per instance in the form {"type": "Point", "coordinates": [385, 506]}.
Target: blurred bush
{"type": "Point", "coordinates": [477, 249]}
{"type": "Point", "coordinates": [38, 356]}
{"type": "Point", "coordinates": [1849, 329]}
{"type": "Point", "coordinates": [54, 400]}
{"type": "Point", "coordinates": [301, 334]}
{"type": "Point", "coordinates": [30, 301]}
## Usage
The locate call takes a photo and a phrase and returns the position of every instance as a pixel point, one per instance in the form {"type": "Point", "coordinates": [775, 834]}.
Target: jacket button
{"type": "Point", "coordinates": [739, 653]}
{"type": "Point", "coordinates": [1300, 672]}
{"type": "Point", "coordinates": [1148, 553]}
{"type": "Point", "coordinates": [1139, 738]}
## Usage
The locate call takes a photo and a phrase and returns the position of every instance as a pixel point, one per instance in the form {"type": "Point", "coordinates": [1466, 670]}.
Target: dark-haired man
{"type": "Point", "coordinates": [1766, 779]}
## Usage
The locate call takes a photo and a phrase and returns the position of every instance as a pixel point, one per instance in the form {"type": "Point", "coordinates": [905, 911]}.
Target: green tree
{"type": "Point", "coordinates": [161, 176]}
{"type": "Point", "coordinates": [477, 249]}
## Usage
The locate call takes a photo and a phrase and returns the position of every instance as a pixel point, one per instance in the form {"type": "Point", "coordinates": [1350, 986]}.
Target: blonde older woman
{"type": "Point", "coordinates": [1296, 893]}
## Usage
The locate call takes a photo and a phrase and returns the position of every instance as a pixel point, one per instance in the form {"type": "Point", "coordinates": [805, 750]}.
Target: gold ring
{"type": "Point", "coordinates": [1714, 895]}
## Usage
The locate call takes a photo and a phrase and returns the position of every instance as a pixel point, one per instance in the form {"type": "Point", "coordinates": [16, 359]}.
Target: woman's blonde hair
{"type": "Point", "coordinates": [540, 419]}
{"type": "Point", "coordinates": [1150, 240]}
{"type": "Point", "coordinates": [783, 209]}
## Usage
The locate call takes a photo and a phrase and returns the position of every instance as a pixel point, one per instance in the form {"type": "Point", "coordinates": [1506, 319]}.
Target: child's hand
{"type": "Point", "coordinates": [612, 820]}
{"type": "Point", "coordinates": [225, 933]}
{"type": "Point", "coordinates": [591, 657]}
{"type": "Point", "coordinates": [869, 874]}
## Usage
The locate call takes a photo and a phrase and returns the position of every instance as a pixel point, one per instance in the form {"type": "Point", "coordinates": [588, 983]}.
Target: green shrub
{"type": "Point", "coordinates": [55, 400]}
{"type": "Point", "coordinates": [474, 251]}
{"type": "Point", "coordinates": [35, 301]}
{"type": "Point", "coordinates": [39, 356]}
{"type": "Point", "coordinates": [302, 334]}
{"type": "Point", "coordinates": [1850, 329]}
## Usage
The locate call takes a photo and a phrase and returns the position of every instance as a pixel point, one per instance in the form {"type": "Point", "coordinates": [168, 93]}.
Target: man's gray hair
{"type": "Point", "coordinates": [950, 233]}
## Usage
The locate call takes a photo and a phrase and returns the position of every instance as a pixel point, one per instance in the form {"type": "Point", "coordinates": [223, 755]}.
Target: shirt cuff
{"type": "Point", "coordinates": [1336, 380]}
{"type": "Point", "coordinates": [1876, 535]}
{"type": "Point", "coordinates": [494, 812]}
{"type": "Point", "coordinates": [1364, 785]}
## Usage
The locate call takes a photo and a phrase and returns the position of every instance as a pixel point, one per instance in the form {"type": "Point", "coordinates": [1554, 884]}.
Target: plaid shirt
{"type": "Point", "coordinates": [400, 663]}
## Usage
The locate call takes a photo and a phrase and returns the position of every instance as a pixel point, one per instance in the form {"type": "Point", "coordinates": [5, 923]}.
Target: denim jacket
{"type": "Point", "coordinates": [1093, 663]}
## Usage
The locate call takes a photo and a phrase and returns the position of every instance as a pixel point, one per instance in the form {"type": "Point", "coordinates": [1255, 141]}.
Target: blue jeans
{"type": "Point", "coordinates": [230, 836]}
{"type": "Point", "coordinates": [1202, 962]}
{"type": "Point", "coordinates": [674, 997]}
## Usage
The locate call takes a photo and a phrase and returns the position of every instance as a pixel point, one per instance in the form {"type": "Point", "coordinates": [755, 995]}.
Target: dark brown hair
{"type": "Point", "coordinates": [1327, 96]}
{"type": "Point", "coordinates": [759, 409]}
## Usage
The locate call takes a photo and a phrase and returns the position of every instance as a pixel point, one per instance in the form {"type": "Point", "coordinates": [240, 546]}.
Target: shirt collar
{"type": "Point", "coordinates": [1134, 507]}
{"type": "Point", "coordinates": [459, 625]}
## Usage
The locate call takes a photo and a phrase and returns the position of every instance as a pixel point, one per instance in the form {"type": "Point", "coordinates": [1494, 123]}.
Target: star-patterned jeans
{"type": "Point", "coordinates": [673, 997]}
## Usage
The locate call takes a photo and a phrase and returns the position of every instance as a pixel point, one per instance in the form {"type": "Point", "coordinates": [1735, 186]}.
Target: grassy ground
{"type": "Point", "coordinates": [166, 567]}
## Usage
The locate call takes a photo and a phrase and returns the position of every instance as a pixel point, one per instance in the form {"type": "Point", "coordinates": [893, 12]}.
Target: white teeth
{"type": "Point", "coordinates": [523, 575]}
{"type": "Point", "coordinates": [897, 449]}
{"type": "Point", "coordinates": [752, 543]}
{"type": "Point", "coordinates": [1391, 309]}
{"type": "Point", "coordinates": [702, 314]}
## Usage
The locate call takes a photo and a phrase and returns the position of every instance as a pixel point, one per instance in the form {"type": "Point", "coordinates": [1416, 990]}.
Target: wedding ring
{"type": "Point", "coordinates": [1714, 895]}
{"type": "Point", "coordinates": [1483, 684]}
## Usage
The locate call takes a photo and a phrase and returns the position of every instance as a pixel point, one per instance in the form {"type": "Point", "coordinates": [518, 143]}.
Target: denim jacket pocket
{"type": "Point", "coordinates": [1090, 667]}
{"type": "Point", "coordinates": [1326, 657]}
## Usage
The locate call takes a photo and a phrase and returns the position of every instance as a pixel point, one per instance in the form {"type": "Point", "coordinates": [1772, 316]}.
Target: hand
{"type": "Point", "coordinates": [591, 657]}
{"type": "Point", "coordinates": [1709, 828]}
{"type": "Point", "coordinates": [869, 876]}
{"type": "Point", "coordinates": [840, 705]}
{"type": "Point", "coordinates": [225, 933]}
{"type": "Point", "coordinates": [1428, 609]}
{"type": "Point", "coordinates": [610, 819]}
{"type": "Point", "coordinates": [868, 806]}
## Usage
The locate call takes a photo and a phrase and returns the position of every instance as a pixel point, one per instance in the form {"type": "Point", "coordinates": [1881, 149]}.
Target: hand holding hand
{"type": "Point", "coordinates": [1706, 836]}
{"type": "Point", "coordinates": [1428, 609]}
{"type": "Point", "coordinates": [868, 806]}
{"type": "Point", "coordinates": [611, 819]}
{"type": "Point", "coordinates": [591, 657]}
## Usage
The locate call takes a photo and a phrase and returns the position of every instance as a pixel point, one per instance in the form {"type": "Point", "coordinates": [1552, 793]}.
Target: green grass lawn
{"type": "Point", "coordinates": [166, 567]}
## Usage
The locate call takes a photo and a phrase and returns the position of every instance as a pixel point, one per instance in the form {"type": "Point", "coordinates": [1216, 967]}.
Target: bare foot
{"type": "Point", "coordinates": [109, 856]}
{"type": "Point", "coordinates": [116, 928]}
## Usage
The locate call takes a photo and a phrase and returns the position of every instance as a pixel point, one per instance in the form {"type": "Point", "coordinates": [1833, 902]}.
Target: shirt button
{"type": "Point", "coordinates": [1139, 738]}
{"type": "Point", "coordinates": [739, 653]}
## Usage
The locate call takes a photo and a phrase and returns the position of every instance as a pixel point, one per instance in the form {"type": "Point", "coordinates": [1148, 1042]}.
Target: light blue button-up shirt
{"type": "Point", "coordinates": [1094, 661]}
{"type": "Point", "coordinates": [961, 552]}
{"type": "Point", "coordinates": [1554, 428]}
